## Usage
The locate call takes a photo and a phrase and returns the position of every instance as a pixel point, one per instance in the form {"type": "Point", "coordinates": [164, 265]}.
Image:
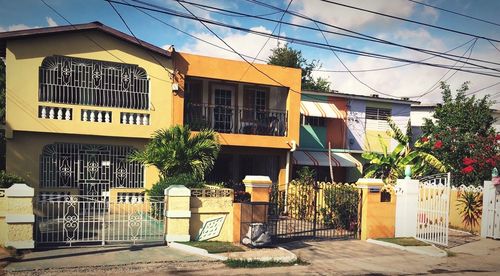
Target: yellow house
{"type": "Point", "coordinates": [81, 98]}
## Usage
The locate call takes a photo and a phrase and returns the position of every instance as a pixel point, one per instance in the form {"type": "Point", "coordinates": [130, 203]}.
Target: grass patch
{"type": "Point", "coordinates": [234, 263]}
{"type": "Point", "coordinates": [215, 247]}
{"type": "Point", "coordinates": [450, 253]}
{"type": "Point", "coordinates": [404, 241]}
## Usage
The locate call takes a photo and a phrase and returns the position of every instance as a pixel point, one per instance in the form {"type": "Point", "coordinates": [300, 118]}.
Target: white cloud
{"type": "Point", "coordinates": [16, 27]}
{"type": "Point", "coordinates": [244, 43]}
{"type": "Point", "coordinates": [412, 80]}
{"type": "Point", "coordinates": [351, 18]}
{"type": "Point", "coordinates": [51, 22]}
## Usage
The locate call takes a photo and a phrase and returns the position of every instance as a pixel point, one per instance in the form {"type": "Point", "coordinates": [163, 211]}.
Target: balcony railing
{"type": "Point", "coordinates": [230, 119]}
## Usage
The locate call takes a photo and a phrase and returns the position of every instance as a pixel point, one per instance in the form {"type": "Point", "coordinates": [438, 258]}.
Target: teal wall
{"type": "Point", "coordinates": [312, 137]}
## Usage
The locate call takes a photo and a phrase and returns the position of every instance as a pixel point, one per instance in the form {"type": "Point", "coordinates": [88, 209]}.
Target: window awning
{"type": "Point", "coordinates": [320, 109]}
{"type": "Point", "coordinates": [320, 158]}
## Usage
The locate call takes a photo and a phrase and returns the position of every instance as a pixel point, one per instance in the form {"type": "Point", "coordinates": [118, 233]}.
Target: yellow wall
{"type": "Point", "coordinates": [24, 56]}
{"type": "Point", "coordinates": [455, 219]}
{"type": "Point", "coordinates": [238, 71]}
{"type": "Point", "coordinates": [204, 208]}
{"type": "Point", "coordinates": [372, 142]}
{"type": "Point", "coordinates": [378, 219]}
{"type": "Point", "coordinates": [23, 153]}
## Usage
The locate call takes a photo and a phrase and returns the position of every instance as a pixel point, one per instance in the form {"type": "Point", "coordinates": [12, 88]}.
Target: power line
{"type": "Point", "coordinates": [303, 42]}
{"type": "Point", "coordinates": [360, 36]}
{"type": "Point", "coordinates": [92, 40]}
{"type": "Point", "coordinates": [269, 38]}
{"type": "Point", "coordinates": [236, 52]}
{"type": "Point", "coordinates": [410, 20]}
{"type": "Point", "coordinates": [454, 12]}
{"type": "Point", "coordinates": [138, 40]}
{"type": "Point", "coordinates": [190, 35]}
{"type": "Point", "coordinates": [435, 85]}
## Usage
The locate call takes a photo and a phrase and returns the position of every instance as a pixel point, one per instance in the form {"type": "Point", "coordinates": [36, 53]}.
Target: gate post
{"type": "Point", "coordinates": [406, 207]}
{"type": "Point", "coordinates": [177, 213]}
{"type": "Point", "coordinates": [19, 217]}
{"type": "Point", "coordinates": [258, 187]}
{"type": "Point", "coordinates": [377, 213]}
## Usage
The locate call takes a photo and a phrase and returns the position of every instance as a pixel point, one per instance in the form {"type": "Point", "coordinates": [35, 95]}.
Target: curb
{"type": "Point", "coordinates": [196, 250]}
{"type": "Point", "coordinates": [290, 258]}
{"type": "Point", "coordinates": [412, 249]}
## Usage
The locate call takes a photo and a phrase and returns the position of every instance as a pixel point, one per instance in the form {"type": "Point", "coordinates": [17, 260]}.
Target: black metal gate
{"type": "Point", "coordinates": [322, 210]}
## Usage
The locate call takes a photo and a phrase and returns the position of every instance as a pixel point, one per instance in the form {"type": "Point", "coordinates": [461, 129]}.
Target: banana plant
{"type": "Point", "coordinates": [389, 166]}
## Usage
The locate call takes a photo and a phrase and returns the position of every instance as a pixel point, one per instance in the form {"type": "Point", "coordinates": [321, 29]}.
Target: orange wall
{"type": "Point", "coordinates": [239, 71]}
{"type": "Point", "coordinates": [336, 128]}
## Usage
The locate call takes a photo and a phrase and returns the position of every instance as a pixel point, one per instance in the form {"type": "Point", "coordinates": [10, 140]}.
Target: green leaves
{"type": "Point", "coordinates": [289, 57]}
{"type": "Point", "coordinates": [390, 166]}
{"type": "Point", "coordinates": [176, 151]}
{"type": "Point", "coordinates": [462, 124]}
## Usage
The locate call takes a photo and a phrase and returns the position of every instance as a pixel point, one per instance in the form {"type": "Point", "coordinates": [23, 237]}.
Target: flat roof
{"type": "Point", "coordinates": [335, 93]}
{"type": "Point", "coordinates": [5, 36]}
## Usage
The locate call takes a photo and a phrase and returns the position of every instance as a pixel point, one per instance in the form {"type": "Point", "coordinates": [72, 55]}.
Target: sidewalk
{"type": "Point", "coordinates": [98, 256]}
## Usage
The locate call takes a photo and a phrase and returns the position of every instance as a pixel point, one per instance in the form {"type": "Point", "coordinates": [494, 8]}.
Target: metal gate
{"type": "Point", "coordinates": [70, 219]}
{"type": "Point", "coordinates": [322, 210]}
{"type": "Point", "coordinates": [433, 209]}
{"type": "Point", "coordinates": [490, 223]}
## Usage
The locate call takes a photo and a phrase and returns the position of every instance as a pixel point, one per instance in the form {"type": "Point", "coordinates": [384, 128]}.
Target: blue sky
{"type": "Point", "coordinates": [406, 81]}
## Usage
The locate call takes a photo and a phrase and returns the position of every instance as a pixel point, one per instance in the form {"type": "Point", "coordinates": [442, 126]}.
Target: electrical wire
{"type": "Point", "coordinates": [410, 20]}
{"type": "Point", "coordinates": [306, 43]}
{"type": "Point", "coordinates": [359, 35]}
{"type": "Point", "coordinates": [454, 12]}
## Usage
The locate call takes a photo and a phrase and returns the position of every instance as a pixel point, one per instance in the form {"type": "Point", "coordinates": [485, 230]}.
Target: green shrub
{"type": "Point", "coordinates": [342, 207]}
{"type": "Point", "coordinates": [182, 179]}
{"type": "Point", "coordinates": [7, 179]}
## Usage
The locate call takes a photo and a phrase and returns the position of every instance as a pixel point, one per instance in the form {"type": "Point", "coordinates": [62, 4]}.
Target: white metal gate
{"type": "Point", "coordinates": [70, 219]}
{"type": "Point", "coordinates": [490, 223]}
{"type": "Point", "coordinates": [433, 209]}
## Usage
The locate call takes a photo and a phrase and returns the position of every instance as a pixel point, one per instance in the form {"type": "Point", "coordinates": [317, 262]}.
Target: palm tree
{"type": "Point", "coordinates": [176, 151]}
{"type": "Point", "coordinates": [391, 166]}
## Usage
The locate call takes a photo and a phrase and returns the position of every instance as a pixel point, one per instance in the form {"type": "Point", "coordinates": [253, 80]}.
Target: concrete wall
{"type": "Point", "coordinates": [204, 208]}
{"type": "Point", "coordinates": [23, 153]}
{"type": "Point", "coordinates": [24, 57]}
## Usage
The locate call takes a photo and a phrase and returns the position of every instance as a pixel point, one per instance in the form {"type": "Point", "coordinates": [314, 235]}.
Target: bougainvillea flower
{"type": "Point", "coordinates": [438, 144]}
{"type": "Point", "coordinates": [424, 139]}
{"type": "Point", "coordinates": [468, 169]}
{"type": "Point", "coordinates": [468, 161]}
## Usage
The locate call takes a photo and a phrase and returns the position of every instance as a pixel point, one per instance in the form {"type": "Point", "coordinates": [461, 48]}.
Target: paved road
{"type": "Point", "coordinates": [333, 258]}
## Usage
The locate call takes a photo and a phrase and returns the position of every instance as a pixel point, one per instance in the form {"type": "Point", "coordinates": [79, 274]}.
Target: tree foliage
{"type": "Point", "coordinates": [289, 57]}
{"type": "Point", "coordinates": [390, 166]}
{"type": "Point", "coordinates": [175, 151]}
{"type": "Point", "coordinates": [462, 137]}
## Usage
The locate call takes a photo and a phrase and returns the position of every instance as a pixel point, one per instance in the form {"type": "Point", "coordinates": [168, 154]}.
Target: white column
{"type": "Point", "coordinates": [406, 207]}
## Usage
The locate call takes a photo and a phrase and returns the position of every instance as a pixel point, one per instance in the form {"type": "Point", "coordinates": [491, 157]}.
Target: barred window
{"type": "Point", "coordinates": [81, 81]}
{"type": "Point", "coordinates": [375, 113]}
{"type": "Point", "coordinates": [376, 118]}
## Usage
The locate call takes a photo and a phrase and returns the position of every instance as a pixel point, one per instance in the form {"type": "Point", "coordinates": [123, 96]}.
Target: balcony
{"type": "Point", "coordinates": [236, 119]}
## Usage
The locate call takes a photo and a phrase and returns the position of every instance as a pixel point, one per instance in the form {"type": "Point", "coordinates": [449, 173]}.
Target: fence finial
{"type": "Point", "coordinates": [408, 172]}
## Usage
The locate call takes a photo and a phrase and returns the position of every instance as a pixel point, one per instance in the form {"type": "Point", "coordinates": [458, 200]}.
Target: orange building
{"type": "Point", "coordinates": [254, 108]}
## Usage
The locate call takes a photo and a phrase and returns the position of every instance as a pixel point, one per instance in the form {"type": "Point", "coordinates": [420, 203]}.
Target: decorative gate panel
{"type": "Point", "coordinates": [97, 219]}
{"type": "Point", "coordinates": [433, 209]}
{"type": "Point", "coordinates": [322, 210]}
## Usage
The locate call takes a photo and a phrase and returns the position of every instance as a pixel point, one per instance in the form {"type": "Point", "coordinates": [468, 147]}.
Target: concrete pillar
{"type": "Point", "coordinates": [406, 207]}
{"type": "Point", "coordinates": [177, 213]}
{"type": "Point", "coordinates": [258, 187]}
{"type": "Point", "coordinates": [19, 216]}
{"type": "Point", "coordinates": [377, 217]}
